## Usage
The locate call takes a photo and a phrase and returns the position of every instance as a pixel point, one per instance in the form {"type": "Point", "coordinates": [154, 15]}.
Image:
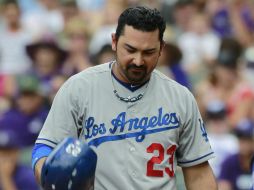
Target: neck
{"type": "Point", "coordinates": [129, 86]}
{"type": "Point", "coordinates": [118, 74]}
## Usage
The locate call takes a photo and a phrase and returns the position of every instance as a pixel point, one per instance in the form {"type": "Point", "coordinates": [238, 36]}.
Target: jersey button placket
{"type": "Point", "coordinates": [134, 174]}
{"type": "Point", "coordinates": [132, 149]}
{"type": "Point", "coordinates": [133, 110]}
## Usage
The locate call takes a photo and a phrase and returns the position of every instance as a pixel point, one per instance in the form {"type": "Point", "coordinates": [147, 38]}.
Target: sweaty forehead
{"type": "Point", "coordinates": [140, 39]}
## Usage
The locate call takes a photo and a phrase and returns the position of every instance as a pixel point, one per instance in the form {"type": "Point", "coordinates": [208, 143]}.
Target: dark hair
{"type": "Point", "coordinates": [229, 53]}
{"type": "Point", "coordinates": [69, 3]}
{"type": "Point", "coordinates": [173, 53]}
{"type": "Point", "coordinates": [141, 18]}
{"type": "Point", "coordinates": [8, 2]}
{"type": "Point", "coordinates": [183, 3]}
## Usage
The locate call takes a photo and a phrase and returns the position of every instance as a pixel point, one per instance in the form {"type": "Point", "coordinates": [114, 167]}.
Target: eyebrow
{"type": "Point", "coordinates": [133, 48]}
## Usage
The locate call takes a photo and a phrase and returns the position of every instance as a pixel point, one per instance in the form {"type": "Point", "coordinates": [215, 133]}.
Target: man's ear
{"type": "Point", "coordinates": [162, 45]}
{"type": "Point", "coordinates": [114, 41]}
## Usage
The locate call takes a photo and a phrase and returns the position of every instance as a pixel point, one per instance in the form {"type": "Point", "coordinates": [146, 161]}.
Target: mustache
{"type": "Point", "coordinates": [133, 66]}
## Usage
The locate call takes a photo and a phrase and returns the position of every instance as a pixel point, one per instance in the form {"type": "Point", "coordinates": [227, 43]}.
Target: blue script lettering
{"type": "Point", "coordinates": [202, 128]}
{"type": "Point", "coordinates": [119, 122]}
{"type": "Point", "coordinates": [92, 129]}
{"type": "Point", "coordinates": [153, 121]}
{"type": "Point", "coordinates": [144, 123]}
{"type": "Point", "coordinates": [123, 128]}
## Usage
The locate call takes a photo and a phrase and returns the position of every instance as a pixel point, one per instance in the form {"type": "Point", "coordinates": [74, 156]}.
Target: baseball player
{"type": "Point", "coordinates": [140, 123]}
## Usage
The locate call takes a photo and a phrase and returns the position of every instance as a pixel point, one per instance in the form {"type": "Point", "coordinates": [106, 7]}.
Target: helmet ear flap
{"type": "Point", "coordinates": [70, 166]}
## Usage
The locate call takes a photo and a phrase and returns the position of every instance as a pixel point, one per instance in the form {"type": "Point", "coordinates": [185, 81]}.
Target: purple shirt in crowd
{"type": "Point", "coordinates": [221, 21]}
{"type": "Point", "coordinates": [232, 172]}
{"type": "Point", "coordinates": [20, 130]}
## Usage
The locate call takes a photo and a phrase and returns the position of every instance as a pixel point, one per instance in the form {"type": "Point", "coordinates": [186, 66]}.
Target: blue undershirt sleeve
{"type": "Point", "coordinates": [40, 151]}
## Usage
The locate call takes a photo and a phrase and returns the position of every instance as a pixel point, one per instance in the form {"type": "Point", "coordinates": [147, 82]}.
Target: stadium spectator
{"type": "Point", "coordinates": [69, 9]}
{"type": "Point", "coordinates": [47, 58]}
{"type": "Point", "coordinates": [232, 19]}
{"type": "Point", "coordinates": [236, 171]}
{"type": "Point", "coordinates": [7, 91]}
{"type": "Point", "coordinates": [46, 19]}
{"type": "Point", "coordinates": [226, 84]}
{"type": "Point", "coordinates": [105, 55]}
{"type": "Point", "coordinates": [13, 174]}
{"type": "Point", "coordinates": [103, 33]}
{"type": "Point", "coordinates": [182, 14]}
{"type": "Point", "coordinates": [77, 40]}
{"type": "Point", "coordinates": [19, 127]}
{"type": "Point", "coordinates": [170, 64]}
{"type": "Point", "coordinates": [55, 84]}
{"type": "Point", "coordinates": [13, 39]}
{"type": "Point", "coordinates": [223, 142]}
{"type": "Point", "coordinates": [199, 45]}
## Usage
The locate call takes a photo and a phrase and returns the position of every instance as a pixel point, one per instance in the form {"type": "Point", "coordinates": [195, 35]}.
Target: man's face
{"type": "Point", "coordinates": [137, 54]}
{"type": "Point", "coordinates": [12, 14]}
{"type": "Point", "coordinates": [29, 103]}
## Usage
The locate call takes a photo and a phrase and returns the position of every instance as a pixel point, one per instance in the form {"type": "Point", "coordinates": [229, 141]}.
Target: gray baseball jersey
{"type": "Point", "coordinates": [139, 144]}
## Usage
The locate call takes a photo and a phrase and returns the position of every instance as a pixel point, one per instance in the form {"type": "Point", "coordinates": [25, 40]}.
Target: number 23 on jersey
{"type": "Point", "coordinates": [159, 158]}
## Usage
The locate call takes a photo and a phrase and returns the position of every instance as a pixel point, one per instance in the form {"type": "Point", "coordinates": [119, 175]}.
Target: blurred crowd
{"type": "Point", "coordinates": [209, 49]}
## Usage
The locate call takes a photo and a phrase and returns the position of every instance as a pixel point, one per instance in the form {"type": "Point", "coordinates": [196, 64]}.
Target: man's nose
{"type": "Point", "coordinates": [138, 60]}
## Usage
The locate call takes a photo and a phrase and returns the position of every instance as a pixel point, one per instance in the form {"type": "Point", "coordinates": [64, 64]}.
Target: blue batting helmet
{"type": "Point", "coordinates": [71, 166]}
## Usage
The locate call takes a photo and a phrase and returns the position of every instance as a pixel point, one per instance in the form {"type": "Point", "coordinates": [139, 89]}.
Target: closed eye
{"type": "Point", "coordinates": [130, 50]}
{"type": "Point", "coordinates": [149, 52]}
